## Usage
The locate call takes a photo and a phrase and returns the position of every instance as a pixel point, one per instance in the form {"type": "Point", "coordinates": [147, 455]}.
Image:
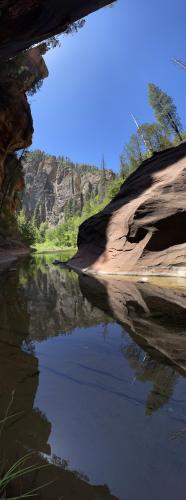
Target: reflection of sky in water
{"type": "Point", "coordinates": [117, 411]}
{"type": "Point", "coordinates": [97, 406]}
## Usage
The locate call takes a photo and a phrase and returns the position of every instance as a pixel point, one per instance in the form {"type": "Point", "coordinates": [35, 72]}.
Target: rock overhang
{"type": "Point", "coordinates": [25, 23]}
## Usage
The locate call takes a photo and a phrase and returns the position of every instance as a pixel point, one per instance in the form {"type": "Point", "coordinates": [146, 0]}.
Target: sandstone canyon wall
{"type": "Point", "coordinates": [142, 231]}
{"type": "Point", "coordinates": [16, 128]}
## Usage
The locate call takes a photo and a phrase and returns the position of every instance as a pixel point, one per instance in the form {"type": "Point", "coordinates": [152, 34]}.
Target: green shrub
{"type": "Point", "coordinates": [27, 230]}
{"type": "Point", "coordinates": [65, 235]}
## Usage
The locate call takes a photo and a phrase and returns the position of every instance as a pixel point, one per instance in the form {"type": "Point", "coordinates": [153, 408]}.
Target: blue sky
{"type": "Point", "coordinates": [101, 74]}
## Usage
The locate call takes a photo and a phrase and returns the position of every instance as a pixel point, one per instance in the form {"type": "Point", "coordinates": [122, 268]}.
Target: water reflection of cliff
{"type": "Point", "coordinates": [155, 318]}
{"type": "Point", "coordinates": [55, 302]}
{"type": "Point", "coordinates": [40, 301]}
{"type": "Point", "coordinates": [29, 429]}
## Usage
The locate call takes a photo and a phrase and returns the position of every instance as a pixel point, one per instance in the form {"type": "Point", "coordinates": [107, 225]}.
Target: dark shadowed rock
{"type": "Point", "coordinates": [16, 129]}
{"type": "Point", "coordinates": [24, 23]}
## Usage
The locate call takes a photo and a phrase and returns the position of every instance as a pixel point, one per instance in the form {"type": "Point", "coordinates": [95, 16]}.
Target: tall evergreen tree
{"type": "Point", "coordinates": [165, 110]}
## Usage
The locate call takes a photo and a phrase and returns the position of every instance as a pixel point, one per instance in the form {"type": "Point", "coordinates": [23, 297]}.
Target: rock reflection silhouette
{"type": "Point", "coordinates": [155, 318]}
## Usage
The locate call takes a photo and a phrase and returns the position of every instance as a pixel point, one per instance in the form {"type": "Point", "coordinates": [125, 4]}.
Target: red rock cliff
{"type": "Point", "coordinates": [16, 128]}
{"type": "Point", "coordinates": [143, 229]}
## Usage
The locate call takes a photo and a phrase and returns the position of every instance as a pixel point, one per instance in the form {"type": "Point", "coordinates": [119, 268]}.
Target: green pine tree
{"type": "Point", "coordinates": [165, 110]}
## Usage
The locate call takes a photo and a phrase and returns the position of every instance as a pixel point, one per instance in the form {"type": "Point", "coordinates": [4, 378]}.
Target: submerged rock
{"type": "Point", "coordinates": [142, 231]}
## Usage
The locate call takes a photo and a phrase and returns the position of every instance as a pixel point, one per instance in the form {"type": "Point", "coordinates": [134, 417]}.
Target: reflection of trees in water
{"type": "Point", "coordinates": [14, 316]}
{"type": "Point", "coordinates": [55, 302]}
{"type": "Point", "coordinates": [64, 464]}
{"type": "Point", "coordinates": [147, 369]}
{"type": "Point", "coordinates": [30, 429]}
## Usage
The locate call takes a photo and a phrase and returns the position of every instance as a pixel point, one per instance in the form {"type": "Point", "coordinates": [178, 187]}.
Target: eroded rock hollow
{"type": "Point", "coordinates": [142, 231]}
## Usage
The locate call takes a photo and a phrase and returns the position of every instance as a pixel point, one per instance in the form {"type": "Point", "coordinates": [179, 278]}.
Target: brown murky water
{"type": "Point", "coordinates": [96, 372]}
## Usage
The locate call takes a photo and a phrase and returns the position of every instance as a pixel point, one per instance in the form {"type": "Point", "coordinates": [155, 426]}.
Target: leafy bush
{"type": "Point", "coordinates": [41, 232]}
{"type": "Point", "coordinates": [26, 228]}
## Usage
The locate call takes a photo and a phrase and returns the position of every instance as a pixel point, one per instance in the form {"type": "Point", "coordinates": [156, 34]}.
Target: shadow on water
{"type": "Point", "coordinates": [41, 305]}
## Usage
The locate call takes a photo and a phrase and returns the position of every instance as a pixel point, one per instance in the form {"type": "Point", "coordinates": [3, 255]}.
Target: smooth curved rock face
{"type": "Point", "coordinates": [24, 23]}
{"type": "Point", "coordinates": [143, 229]}
{"type": "Point", "coordinates": [155, 316]}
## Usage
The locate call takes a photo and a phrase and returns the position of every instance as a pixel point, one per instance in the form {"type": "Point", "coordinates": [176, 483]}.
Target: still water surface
{"type": "Point", "coordinates": [95, 398]}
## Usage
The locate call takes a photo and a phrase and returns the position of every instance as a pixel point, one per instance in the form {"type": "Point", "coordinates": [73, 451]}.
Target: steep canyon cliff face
{"type": "Point", "coordinates": [16, 128]}
{"type": "Point", "coordinates": [56, 187]}
{"type": "Point", "coordinates": [142, 231]}
{"type": "Point", "coordinates": [24, 24]}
